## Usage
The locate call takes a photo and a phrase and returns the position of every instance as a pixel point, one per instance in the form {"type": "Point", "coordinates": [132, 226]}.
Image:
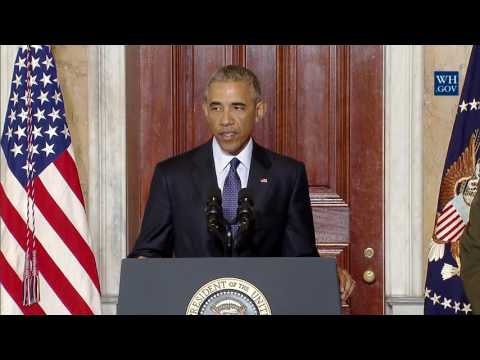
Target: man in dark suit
{"type": "Point", "coordinates": [175, 224]}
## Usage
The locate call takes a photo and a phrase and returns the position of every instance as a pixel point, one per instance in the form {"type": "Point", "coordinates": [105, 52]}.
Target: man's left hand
{"type": "Point", "coordinates": [347, 284]}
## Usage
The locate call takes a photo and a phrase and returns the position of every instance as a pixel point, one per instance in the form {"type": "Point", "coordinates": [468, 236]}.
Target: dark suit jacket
{"type": "Point", "coordinates": [470, 255]}
{"type": "Point", "coordinates": [174, 223]}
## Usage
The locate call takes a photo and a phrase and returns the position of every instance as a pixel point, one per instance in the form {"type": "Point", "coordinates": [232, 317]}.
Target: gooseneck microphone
{"type": "Point", "coordinates": [245, 214]}
{"type": "Point", "coordinates": [246, 221]}
{"type": "Point", "coordinates": [215, 221]}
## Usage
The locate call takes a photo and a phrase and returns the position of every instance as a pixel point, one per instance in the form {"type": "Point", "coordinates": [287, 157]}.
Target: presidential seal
{"type": "Point", "coordinates": [228, 296]}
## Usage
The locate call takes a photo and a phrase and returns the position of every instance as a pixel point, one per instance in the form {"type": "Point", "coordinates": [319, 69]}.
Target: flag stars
{"type": "Point", "coordinates": [21, 63]}
{"type": "Point", "coordinates": [37, 132]}
{"type": "Point", "coordinates": [57, 97]}
{"type": "Point", "coordinates": [33, 149]}
{"type": "Point", "coordinates": [35, 118]}
{"type": "Point", "coordinates": [456, 307]}
{"type": "Point", "coordinates": [23, 115]}
{"type": "Point", "coordinates": [35, 63]}
{"type": "Point", "coordinates": [446, 303]}
{"type": "Point", "coordinates": [48, 62]}
{"type": "Point", "coordinates": [17, 149]}
{"type": "Point", "coordinates": [48, 149]}
{"type": "Point", "coordinates": [32, 80]}
{"type": "Point", "coordinates": [46, 80]}
{"type": "Point", "coordinates": [24, 98]}
{"type": "Point", "coordinates": [463, 106]}
{"type": "Point", "coordinates": [51, 132]}
{"type": "Point", "coordinates": [18, 79]}
{"type": "Point", "coordinates": [43, 97]}
{"type": "Point", "coordinates": [474, 104]}
{"type": "Point", "coordinates": [65, 131]}
{"type": "Point", "coordinates": [12, 115]}
{"type": "Point", "coordinates": [54, 114]}
{"type": "Point", "coordinates": [9, 133]}
{"type": "Point", "coordinates": [14, 98]}
{"type": "Point", "coordinates": [29, 167]}
{"type": "Point", "coordinates": [20, 132]}
{"type": "Point", "coordinates": [427, 293]}
{"type": "Point", "coordinates": [39, 115]}
{"type": "Point", "coordinates": [466, 308]}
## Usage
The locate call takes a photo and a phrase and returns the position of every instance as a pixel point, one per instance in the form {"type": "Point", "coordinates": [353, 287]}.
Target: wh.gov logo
{"type": "Point", "coordinates": [446, 82]}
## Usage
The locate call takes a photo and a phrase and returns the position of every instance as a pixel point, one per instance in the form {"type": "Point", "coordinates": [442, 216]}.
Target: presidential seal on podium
{"type": "Point", "coordinates": [228, 296]}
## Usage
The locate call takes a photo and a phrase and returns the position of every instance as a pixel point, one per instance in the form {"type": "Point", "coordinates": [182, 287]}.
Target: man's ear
{"type": "Point", "coordinates": [261, 110]}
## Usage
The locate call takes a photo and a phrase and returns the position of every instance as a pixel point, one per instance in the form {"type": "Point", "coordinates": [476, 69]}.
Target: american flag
{"type": "Point", "coordinates": [47, 267]}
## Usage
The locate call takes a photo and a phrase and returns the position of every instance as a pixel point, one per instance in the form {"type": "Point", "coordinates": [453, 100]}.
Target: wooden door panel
{"type": "Point", "coordinates": [262, 61]}
{"type": "Point", "coordinates": [324, 108]}
{"type": "Point", "coordinates": [313, 110]}
{"type": "Point", "coordinates": [206, 59]}
{"type": "Point", "coordinates": [150, 130]}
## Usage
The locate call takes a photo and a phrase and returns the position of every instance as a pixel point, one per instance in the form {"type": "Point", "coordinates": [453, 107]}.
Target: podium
{"type": "Point", "coordinates": [229, 286]}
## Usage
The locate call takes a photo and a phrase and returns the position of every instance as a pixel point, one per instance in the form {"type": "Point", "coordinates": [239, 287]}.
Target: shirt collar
{"type": "Point", "coordinates": [222, 158]}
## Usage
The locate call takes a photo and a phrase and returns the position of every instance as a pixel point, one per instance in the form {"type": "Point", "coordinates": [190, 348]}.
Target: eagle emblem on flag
{"type": "Point", "coordinates": [457, 190]}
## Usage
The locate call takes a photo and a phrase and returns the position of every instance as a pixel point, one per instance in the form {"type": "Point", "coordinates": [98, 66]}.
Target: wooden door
{"type": "Point", "coordinates": [325, 106]}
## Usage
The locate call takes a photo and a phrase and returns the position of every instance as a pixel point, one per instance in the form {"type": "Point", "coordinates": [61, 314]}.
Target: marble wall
{"type": "Point", "coordinates": [439, 115]}
{"type": "Point", "coordinates": [72, 71]}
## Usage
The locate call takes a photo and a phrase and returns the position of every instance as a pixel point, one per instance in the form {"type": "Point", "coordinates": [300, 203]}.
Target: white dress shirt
{"type": "Point", "coordinates": [222, 163]}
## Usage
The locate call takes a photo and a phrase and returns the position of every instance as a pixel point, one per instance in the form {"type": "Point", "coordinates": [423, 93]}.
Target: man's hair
{"type": "Point", "coordinates": [236, 73]}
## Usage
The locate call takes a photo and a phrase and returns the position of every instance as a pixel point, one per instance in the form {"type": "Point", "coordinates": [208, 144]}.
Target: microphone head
{"type": "Point", "coordinates": [215, 195]}
{"type": "Point", "coordinates": [244, 196]}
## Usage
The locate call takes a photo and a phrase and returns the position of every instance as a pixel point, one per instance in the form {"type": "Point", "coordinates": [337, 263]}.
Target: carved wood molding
{"type": "Point", "coordinates": [341, 121]}
{"type": "Point", "coordinates": [236, 54]}
{"type": "Point", "coordinates": [324, 199]}
{"type": "Point", "coordinates": [286, 100]}
{"type": "Point", "coordinates": [339, 251]}
{"type": "Point", "coordinates": [181, 88]}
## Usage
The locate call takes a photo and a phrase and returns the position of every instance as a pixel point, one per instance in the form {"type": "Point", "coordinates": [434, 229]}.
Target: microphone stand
{"type": "Point", "coordinates": [246, 220]}
{"type": "Point", "coordinates": [216, 224]}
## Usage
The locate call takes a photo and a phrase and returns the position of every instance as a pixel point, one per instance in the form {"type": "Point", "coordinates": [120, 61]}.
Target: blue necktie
{"type": "Point", "coordinates": [231, 187]}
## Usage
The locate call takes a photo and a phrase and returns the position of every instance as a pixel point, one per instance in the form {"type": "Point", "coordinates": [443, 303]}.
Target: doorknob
{"type": "Point", "coordinates": [369, 276]}
{"type": "Point", "coordinates": [368, 252]}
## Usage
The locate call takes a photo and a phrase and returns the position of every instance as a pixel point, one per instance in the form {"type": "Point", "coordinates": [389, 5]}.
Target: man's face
{"type": "Point", "coordinates": [231, 113]}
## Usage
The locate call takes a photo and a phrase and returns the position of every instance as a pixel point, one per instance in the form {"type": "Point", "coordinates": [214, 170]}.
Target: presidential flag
{"type": "Point", "coordinates": [444, 292]}
{"type": "Point", "coordinates": [46, 262]}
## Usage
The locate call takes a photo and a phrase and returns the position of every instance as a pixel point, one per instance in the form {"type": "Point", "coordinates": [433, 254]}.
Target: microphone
{"type": "Point", "coordinates": [245, 215]}
{"type": "Point", "coordinates": [214, 214]}
{"type": "Point", "coordinates": [213, 210]}
{"type": "Point", "coordinates": [246, 220]}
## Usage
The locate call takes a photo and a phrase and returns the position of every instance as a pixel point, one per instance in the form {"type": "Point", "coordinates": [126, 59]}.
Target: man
{"type": "Point", "coordinates": [470, 255]}
{"type": "Point", "coordinates": [174, 222]}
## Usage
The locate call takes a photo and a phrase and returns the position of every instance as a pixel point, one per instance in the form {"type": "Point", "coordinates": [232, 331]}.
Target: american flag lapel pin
{"type": "Point", "coordinates": [264, 180]}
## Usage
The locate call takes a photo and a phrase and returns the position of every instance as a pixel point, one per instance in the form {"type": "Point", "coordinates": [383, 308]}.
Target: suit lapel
{"type": "Point", "coordinates": [203, 174]}
{"type": "Point", "coordinates": [259, 181]}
